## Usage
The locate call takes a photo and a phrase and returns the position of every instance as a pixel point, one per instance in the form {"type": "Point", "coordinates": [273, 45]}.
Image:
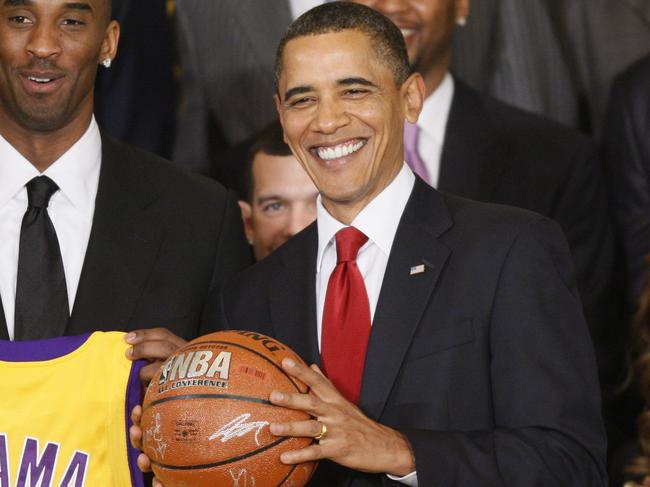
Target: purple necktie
{"type": "Point", "coordinates": [411, 136]}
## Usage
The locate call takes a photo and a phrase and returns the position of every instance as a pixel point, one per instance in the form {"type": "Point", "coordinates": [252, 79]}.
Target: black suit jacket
{"type": "Point", "coordinates": [626, 149]}
{"type": "Point", "coordinates": [483, 360]}
{"type": "Point", "coordinates": [162, 242]}
{"type": "Point", "coordinates": [496, 153]}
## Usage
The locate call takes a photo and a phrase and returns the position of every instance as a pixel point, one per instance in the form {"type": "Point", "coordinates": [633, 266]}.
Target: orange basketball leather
{"type": "Point", "coordinates": [206, 414]}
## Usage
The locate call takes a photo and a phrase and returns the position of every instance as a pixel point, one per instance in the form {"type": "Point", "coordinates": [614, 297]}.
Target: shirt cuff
{"type": "Point", "coordinates": [411, 479]}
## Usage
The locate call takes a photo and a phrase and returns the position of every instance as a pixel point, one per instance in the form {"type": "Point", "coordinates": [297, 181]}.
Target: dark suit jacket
{"type": "Point", "coordinates": [510, 49]}
{"type": "Point", "coordinates": [162, 242]}
{"type": "Point", "coordinates": [626, 149]}
{"type": "Point", "coordinates": [496, 153]}
{"type": "Point", "coordinates": [483, 361]}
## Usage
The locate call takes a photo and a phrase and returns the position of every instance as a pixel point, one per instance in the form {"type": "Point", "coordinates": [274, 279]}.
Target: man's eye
{"type": "Point", "coordinates": [356, 91]}
{"type": "Point", "coordinates": [73, 22]}
{"type": "Point", "coordinates": [299, 102]}
{"type": "Point", "coordinates": [20, 19]}
{"type": "Point", "coordinates": [273, 207]}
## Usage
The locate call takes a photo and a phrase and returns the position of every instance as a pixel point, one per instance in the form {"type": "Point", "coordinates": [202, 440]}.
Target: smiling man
{"type": "Point", "coordinates": [449, 331]}
{"type": "Point", "coordinates": [95, 234]}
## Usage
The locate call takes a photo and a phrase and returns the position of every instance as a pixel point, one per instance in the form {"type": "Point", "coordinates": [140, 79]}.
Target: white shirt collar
{"type": "Point", "coordinates": [75, 172]}
{"type": "Point", "coordinates": [378, 220]}
{"type": "Point", "coordinates": [435, 112]}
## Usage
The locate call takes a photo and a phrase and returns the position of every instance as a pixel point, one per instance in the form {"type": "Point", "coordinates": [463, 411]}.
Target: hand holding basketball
{"type": "Point", "coordinates": [154, 345]}
{"type": "Point", "coordinates": [352, 439]}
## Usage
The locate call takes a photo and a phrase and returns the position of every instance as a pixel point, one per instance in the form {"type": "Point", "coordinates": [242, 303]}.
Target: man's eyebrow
{"type": "Point", "coordinates": [17, 3]}
{"type": "Point", "coordinates": [298, 90]}
{"type": "Point", "coordinates": [356, 81]}
{"type": "Point", "coordinates": [267, 198]}
{"type": "Point", "coordinates": [78, 6]}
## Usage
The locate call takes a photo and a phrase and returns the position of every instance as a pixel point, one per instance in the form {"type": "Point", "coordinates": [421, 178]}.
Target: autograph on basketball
{"type": "Point", "coordinates": [155, 434]}
{"type": "Point", "coordinates": [238, 427]}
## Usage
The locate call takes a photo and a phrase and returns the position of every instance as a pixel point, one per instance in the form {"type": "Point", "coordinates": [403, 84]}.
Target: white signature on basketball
{"type": "Point", "coordinates": [238, 427]}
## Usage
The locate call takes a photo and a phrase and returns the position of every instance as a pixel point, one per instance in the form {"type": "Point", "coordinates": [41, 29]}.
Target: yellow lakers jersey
{"type": "Point", "coordinates": [64, 412]}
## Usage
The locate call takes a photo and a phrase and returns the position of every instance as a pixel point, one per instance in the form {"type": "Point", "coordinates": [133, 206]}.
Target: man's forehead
{"type": "Point", "coordinates": [94, 6]}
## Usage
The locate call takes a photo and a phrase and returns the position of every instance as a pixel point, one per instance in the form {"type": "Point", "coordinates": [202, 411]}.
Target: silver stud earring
{"type": "Point", "coordinates": [107, 62]}
{"type": "Point", "coordinates": [461, 21]}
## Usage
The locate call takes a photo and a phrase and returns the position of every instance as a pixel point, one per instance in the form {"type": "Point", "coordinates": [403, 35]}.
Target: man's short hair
{"type": "Point", "coordinates": [387, 40]}
{"type": "Point", "coordinates": [270, 141]}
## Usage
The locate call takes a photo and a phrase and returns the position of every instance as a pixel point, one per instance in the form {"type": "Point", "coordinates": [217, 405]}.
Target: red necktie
{"type": "Point", "coordinates": [346, 318]}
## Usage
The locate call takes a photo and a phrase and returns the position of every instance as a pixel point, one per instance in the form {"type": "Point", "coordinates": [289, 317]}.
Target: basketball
{"type": "Point", "coordinates": [206, 414]}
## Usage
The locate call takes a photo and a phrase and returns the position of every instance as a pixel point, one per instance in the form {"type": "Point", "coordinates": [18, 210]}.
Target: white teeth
{"type": "Point", "coordinates": [40, 80]}
{"type": "Point", "coordinates": [342, 150]}
{"type": "Point", "coordinates": [407, 32]}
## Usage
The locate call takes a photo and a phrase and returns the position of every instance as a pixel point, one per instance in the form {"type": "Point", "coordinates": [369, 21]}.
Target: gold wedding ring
{"type": "Point", "coordinates": [323, 433]}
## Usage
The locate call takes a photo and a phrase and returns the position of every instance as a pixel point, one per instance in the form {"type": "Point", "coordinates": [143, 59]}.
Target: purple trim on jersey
{"type": "Point", "coordinates": [133, 398]}
{"type": "Point", "coordinates": [40, 350]}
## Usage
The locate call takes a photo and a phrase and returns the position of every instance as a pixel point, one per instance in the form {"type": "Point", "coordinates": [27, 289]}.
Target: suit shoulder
{"type": "Point", "coordinates": [163, 175]}
{"type": "Point", "coordinates": [531, 131]}
{"type": "Point", "coordinates": [631, 85]}
{"type": "Point", "coordinates": [300, 246]}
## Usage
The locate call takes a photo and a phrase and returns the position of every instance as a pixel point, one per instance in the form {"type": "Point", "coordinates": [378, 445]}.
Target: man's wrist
{"type": "Point", "coordinates": [403, 462]}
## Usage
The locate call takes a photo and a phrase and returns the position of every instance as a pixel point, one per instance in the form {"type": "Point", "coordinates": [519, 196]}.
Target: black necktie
{"type": "Point", "coordinates": [41, 294]}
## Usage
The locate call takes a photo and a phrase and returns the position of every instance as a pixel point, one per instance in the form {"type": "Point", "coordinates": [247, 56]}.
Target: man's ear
{"type": "Point", "coordinates": [462, 9]}
{"type": "Point", "coordinates": [247, 219]}
{"type": "Point", "coordinates": [110, 42]}
{"type": "Point", "coordinates": [413, 95]}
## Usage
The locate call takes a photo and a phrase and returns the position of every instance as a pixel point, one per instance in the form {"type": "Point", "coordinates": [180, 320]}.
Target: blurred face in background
{"type": "Point", "coordinates": [283, 202]}
{"type": "Point", "coordinates": [427, 26]}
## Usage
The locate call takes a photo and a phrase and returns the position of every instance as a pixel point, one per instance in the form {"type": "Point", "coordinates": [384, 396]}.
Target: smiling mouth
{"type": "Point", "coordinates": [40, 80]}
{"type": "Point", "coordinates": [340, 150]}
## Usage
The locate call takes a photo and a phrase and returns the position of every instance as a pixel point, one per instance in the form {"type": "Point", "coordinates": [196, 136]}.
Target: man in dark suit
{"type": "Point", "coordinates": [130, 241]}
{"type": "Point", "coordinates": [477, 147]}
{"type": "Point", "coordinates": [452, 328]}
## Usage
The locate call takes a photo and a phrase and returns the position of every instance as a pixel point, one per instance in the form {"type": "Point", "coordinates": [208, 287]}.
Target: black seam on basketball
{"type": "Point", "coordinates": [293, 468]}
{"type": "Point", "coordinates": [223, 462]}
{"type": "Point", "coordinates": [256, 353]}
{"type": "Point", "coordinates": [210, 396]}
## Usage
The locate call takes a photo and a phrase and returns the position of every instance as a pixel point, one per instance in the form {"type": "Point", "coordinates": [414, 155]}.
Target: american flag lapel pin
{"type": "Point", "coordinates": [417, 269]}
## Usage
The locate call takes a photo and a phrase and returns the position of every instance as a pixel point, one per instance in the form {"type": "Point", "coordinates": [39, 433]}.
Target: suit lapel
{"type": "Point", "coordinates": [4, 332]}
{"type": "Point", "coordinates": [293, 296]}
{"type": "Point", "coordinates": [470, 165]}
{"type": "Point", "coordinates": [123, 244]}
{"type": "Point", "coordinates": [403, 296]}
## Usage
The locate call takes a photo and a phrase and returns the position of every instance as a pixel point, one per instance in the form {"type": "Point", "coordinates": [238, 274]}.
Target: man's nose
{"type": "Point", "coordinates": [44, 41]}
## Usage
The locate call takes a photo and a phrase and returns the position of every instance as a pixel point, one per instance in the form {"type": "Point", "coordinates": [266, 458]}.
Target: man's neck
{"type": "Point", "coordinates": [42, 149]}
{"type": "Point", "coordinates": [434, 76]}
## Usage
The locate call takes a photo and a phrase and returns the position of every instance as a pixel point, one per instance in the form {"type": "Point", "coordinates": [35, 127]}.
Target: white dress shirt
{"type": "Point", "coordinates": [378, 221]}
{"type": "Point", "coordinates": [299, 7]}
{"type": "Point", "coordinates": [433, 126]}
{"type": "Point", "coordinates": [71, 210]}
